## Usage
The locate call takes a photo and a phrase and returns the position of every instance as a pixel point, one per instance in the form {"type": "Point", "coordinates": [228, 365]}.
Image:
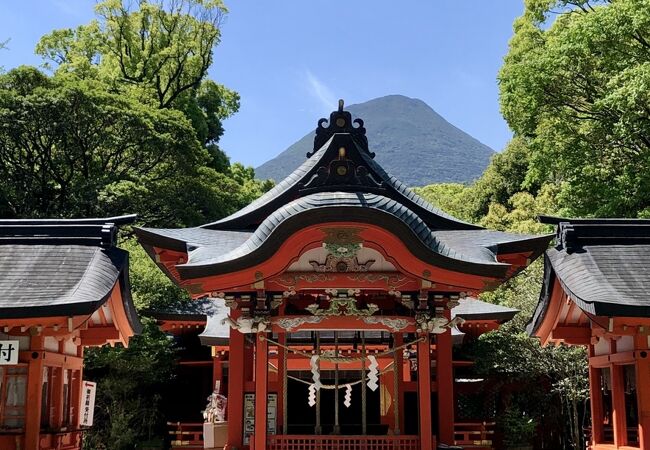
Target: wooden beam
{"type": "Point", "coordinates": [571, 335]}
{"type": "Point", "coordinates": [383, 323]}
{"type": "Point", "coordinates": [99, 335]}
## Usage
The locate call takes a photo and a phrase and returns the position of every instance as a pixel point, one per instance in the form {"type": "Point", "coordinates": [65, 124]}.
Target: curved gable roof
{"type": "Point", "coordinates": [58, 267]}
{"type": "Point", "coordinates": [603, 265]}
{"type": "Point", "coordinates": [304, 180]}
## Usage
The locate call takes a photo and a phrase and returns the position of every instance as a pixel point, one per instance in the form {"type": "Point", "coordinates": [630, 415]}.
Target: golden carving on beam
{"type": "Point", "coordinates": [394, 325]}
{"type": "Point", "coordinates": [290, 323]}
{"type": "Point", "coordinates": [342, 242]}
{"type": "Point", "coordinates": [290, 281]}
{"type": "Point", "coordinates": [343, 307]}
{"type": "Point", "coordinates": [435, 325]}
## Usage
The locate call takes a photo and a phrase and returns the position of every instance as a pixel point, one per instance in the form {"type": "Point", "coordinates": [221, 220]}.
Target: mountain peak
{"type": "Point", "coordinates": [411, 141]}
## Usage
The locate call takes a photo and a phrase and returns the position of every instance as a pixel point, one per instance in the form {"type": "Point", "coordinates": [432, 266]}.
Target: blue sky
{"type": "Point", "coordinates": [290, 60]}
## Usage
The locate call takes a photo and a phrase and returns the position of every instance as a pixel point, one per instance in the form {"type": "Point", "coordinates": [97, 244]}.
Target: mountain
{"type": "Point", "coordinates": [411, 141]}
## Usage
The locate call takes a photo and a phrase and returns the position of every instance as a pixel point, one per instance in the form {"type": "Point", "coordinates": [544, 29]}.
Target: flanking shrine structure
{"type": "Point", "coordinates": [332, 279]}
{"type": "Point", "coordinates": [595, 294]}
{"type": "Point", "coordinates": [64, 287]}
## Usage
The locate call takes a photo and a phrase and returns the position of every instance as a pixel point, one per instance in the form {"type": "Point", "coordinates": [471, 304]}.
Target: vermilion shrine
{"type": "Point", "coordinates": [595, 295]}
{"type": "Point", "coordinates": [340, 284]}
{"type": "Point", "coordinates": [65, 287]}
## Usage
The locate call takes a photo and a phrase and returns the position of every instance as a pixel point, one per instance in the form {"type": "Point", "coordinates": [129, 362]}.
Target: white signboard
{"type": "Point", "coordinates": [249, 415]}
{"type": "Point", "coordinates": [8, 353]}
{"type": "Point", "coordinates": [87, 403]}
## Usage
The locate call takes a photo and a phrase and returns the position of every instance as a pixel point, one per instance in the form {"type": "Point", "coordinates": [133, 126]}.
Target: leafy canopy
{"type": "Point", "coordinates": [576, 86]}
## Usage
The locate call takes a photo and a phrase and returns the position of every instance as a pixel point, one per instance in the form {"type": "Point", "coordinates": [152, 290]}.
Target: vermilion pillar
{"type": "Point", "coordinates": [445, 379]}
{"type": "Point", "coordinates": [424, 393]}
{"type": "Point", "coordinates": [235, 388]}
{"type": "Point", "coordinates": [261, 388]}
{"type": "Point", "coordinates": [642, 365]}
{"type": "Point", "coordinates": [34, 394]}
{"type": "Point", "coordinates": [596, 402]}
{"type": "Point", "coordinates": [399, 372]}
{"type": "Point", "coordinates": [618, 406]}
{"type": "Point", "coordinates": [282, 339]}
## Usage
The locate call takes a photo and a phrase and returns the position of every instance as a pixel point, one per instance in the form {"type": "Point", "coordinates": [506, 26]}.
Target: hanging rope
{"type": "Point", "coordinates": [317, 384]}
{"type": "Point", "coordinates": [343, 359]}
{"type": "Point", "coordinates": [389, 368]}
{"type": "Point", "coordinates": [337, 428]}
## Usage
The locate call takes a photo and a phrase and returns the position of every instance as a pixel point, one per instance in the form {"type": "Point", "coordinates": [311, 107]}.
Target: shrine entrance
{"type": "Point", "coordinates": [340, 284]}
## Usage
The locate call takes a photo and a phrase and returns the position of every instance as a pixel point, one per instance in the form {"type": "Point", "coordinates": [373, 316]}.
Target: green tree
{"type": "Point", "coordinates": [131, 382]}
{"type": "Point", "coordinates": [575, 85]}
{"type": "Point", "coordinates": [127, 122]}
{"type": "Point", "coordinates": [158, 53]}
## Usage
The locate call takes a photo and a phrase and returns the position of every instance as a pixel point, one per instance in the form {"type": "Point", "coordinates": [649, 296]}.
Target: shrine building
{"type": "Point", "coordinates": [338, 287]}
{"type": "Point", "coordinates": [595, 295]}
{"type": "Point", "coordinates": [64, 287]}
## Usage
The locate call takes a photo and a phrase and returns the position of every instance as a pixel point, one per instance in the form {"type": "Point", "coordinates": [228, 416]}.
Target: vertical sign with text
{"type": "Point", "coordinates": [87, 403]}
{"type": "Point", "coordinates": [249, 415]}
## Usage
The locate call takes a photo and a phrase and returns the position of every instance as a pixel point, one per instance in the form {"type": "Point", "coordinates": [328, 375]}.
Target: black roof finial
{"type": "Point", "coordinates": [340, 121]}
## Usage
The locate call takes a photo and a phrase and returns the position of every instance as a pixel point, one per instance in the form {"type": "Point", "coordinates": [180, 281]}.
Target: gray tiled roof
{"type": "Point", "coordinates": [342, 201]}
{"type": "Point", "coordinates": [198, 309]}
{"type": "Point", "coordinates": [340, 181]}
{"type": "Point", "coordinates": [474, 309]}
{"type": "Point", "coordinates": [60, 267]}
{"type": "Point", "coordinates": [603, 265]}
{"type": "Point", "coordinates": [288, 189]}
{"type": "Point", "coordinates": [474, 251]}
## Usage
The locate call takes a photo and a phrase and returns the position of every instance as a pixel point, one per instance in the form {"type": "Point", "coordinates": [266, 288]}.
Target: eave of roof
{"type": "Point", "coordinates": [59, 267]}
{"type": "Point", "coordinates": [475, 309]}
{"type": "Point", "coordinates": [602, 265]}
{"type": "Point", "coordinates": [470, 251]}
{"type": "Point", "coordinates": [290, 188]}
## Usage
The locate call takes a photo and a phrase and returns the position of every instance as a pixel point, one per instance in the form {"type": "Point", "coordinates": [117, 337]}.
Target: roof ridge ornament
{"type": "Point", "coordinates": [340, 121]}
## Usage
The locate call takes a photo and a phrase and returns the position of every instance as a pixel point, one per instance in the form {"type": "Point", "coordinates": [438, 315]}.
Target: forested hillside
{"type": "Point", "coordinates": [410, 140]}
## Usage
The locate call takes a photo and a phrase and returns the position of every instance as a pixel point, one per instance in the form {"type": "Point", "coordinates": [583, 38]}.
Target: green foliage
{"type": "Point", "coordinates": [551, 384]}
{"type": "Point", "coordinates": [127, 123]}
{"type": "Point", "coordinates": [129, 385]}
{"type": "Point", "coordinates": [453, 198]}
{"type": "Point", "coordinates": [70, 148]}
{"type": "Point", "coordinates": [518, 428]}
{"type": "Point", "coordinates": [151, 288]}
{"type": "Point", "coordinates": [160, 49]}
{"type": "Point", "coordinates": [576, 86]}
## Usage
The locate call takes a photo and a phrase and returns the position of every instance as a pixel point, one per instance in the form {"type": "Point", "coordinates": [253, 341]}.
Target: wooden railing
{"type": "Point", "coordinates": [312, 442]}
{"type": "Point", "coordinates": [186, 435]}
{"type": "Point", "coordinates": [477, 435]}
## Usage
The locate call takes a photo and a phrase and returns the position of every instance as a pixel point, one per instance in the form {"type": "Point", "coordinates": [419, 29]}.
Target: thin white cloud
{"type": "Point", "coordinates": [75, 9]}
{"type": "Point", "coordinates": [320, 91]}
